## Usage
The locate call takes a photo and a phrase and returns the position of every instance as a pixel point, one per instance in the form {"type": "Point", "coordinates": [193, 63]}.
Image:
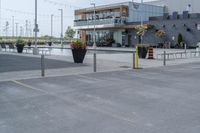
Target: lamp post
{"type": "Point", "coordinates": [36, 30]}
{"type": "Point", "coordinates": [16, 29]}
{"type": "Point", "coordinates": [0, 17]}
{"type": "Point", "coordinates": [26, 33]}
{"type": "Point", "coordinates": [142, 9]}
{"type": "Point", "coordinates": [94, 38]}
{"type": "Point", "coordinates": [61, 34]}
{"type": "Point", "coordinates": [141, 17]}
{"type": "Point", "coordinates": [13, 26]}
{"type": "Point", "coordinates": [51, 25]}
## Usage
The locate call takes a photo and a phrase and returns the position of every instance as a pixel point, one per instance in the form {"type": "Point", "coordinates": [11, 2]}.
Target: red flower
{"type": "Point", "coordinates": [78, 44]}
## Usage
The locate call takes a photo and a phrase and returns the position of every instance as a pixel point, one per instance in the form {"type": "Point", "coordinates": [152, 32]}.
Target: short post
{"type": "Point", "coordinates": [133, 60]}
{"type": "Point", "coordinates": [136, 58]}
{"type": "Point", "coordinates": [185, 46]}
{"type": "Point", "coordinates": [95, 62]}
{"type": "Point", "coordinates": [164, 58]}
{"type": "Point", "coordinates": [42, 66]}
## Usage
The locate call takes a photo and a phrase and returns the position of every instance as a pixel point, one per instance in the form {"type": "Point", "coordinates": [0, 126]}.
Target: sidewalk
{"type": "Point", "coordinates": [105, 63]}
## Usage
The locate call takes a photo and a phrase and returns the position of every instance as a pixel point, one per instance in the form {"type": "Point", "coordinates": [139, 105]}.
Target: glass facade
{"type": "Point", "coordinates": [103, 38]}
{"type": "Point", "coordinates": [144, 12]}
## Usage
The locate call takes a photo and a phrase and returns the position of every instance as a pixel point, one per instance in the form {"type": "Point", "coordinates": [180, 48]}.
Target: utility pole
{"type": "Point", "coordinates": [61, 34]}
{"type": "Point", "coordinates": [21, 31]}
{"type": "Point", "coordinates": [36, 30]}
{"type": "Point", "coordinates": [16, 29]}
{"type": "Point", "coordinates": [6, 28]}
{"type": "Point", "coordinates": [94, 22]}
{"type": "Point", "coordinates": [30, 30]}
{"type": "Point", "coordinates": [13, 27]}
{"type": "Point", "coordinates": [51, 25]}
{"type": "Point", "coordinates": [0, 19]}
{"type": "Point", "coordinates": [26, 33]}
{"type": "Point", "coordinates": [94, 39]}
{"type": "Point", "coordinates": [141, 17]}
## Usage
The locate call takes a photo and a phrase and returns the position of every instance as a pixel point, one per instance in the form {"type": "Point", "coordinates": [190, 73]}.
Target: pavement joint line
{"type": "Point", "coordinates": [82, 105]}
{"type": "Point", "coordinates": [28, 86]}
{"type": "Point", "coordinates": [116, 116]}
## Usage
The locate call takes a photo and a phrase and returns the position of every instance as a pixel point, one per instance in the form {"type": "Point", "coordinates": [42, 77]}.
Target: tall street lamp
{"type": "Point", "coordinates": [36, 30]}
{"type": "Point", "coordinates": [51, 25]}
{"type": "Point", "coordinates": [13, 27]}
{"type": "Point", "coordinates": [61, 34]}
{"type": "Point", "coordinates": [94, 38]}
{"type": "Point", "coordinates": [0, 17]}
{"type": "Point", "coordinates": [142, 10]}
{"type": "Point", "coordinates": [94, 22]}
{"type": "Point", "coordinates": [16, 29]}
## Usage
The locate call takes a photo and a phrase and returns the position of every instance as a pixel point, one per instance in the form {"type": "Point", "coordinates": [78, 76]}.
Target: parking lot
{"type": "Point", "coordinates": [152, 100]}
{"type": "Point", "coordinates": [15, 62]}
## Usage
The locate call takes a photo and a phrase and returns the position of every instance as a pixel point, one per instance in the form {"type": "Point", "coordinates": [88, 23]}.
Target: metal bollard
{"type": "Point", "coordinates": [133, 60]}
{"type": "Point", "coordinates": [136, 58]}
{"type": "Point", "coordinates": [164, 58]}
{"type": "Point", "coordinates": [42, 66]}
{"type": "Point", "coordinates": [95, 62]}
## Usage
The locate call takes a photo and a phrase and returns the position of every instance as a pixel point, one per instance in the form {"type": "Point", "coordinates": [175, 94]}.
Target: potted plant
{"type": "Point", "coordinates": [180, 40]}
{"type": "Point", "coordinates": [50, 42]}
{"type": "Point", "coordinates": [78, 50]}
{"type": "Point", "coordinates": [161, 35]}
{"type": "Point", "coordinates": [29, 43]}
{"type": "Point", "coordinates": [140, 31]}
{"type": "Point", "coordinates": [20, 45]}
{"type": "Point", "coordinates": [142, 51]}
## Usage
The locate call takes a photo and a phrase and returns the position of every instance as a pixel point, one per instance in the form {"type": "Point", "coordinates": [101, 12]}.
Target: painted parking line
{"type": "Point", "coordinates": [28, 86]}
{"type": "Point", "coordinates": [104, 112]}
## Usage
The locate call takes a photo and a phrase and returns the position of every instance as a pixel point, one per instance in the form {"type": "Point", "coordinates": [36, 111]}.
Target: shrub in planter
{"type": "Point", "coordinates": [142, 51]}
{"type": "Point", "coordinates": [78, 50]}
{"type": "Point", "coordinates": [50, 43]}
{"type": "Point", "coordinates": [20, 43]}
{"type": "Point", "coordinates": [29, 43]}
{"type": "Point", "coordinates": [180, 39]}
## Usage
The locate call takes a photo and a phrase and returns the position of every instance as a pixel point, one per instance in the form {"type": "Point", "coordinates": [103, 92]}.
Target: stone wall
{"type": "Point", "coordinates": [187, 27]}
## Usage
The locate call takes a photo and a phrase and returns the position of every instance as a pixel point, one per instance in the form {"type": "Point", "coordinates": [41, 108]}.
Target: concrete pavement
{"type": "Point", "coordinates": [152, 100]}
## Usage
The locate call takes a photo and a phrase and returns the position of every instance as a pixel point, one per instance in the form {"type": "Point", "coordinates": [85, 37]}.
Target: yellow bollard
{"type": "Point", "coordinates": [136, 58]}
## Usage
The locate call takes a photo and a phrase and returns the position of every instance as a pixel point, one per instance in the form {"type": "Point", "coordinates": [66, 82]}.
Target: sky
{"type": "Point", "coordinates": [23, 10]}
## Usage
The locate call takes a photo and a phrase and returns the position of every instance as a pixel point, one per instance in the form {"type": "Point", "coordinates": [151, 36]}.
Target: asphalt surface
{"type": "Point", "coordinates": [156, 100]}
{"type": "Point", "coordinates": [9, 63]}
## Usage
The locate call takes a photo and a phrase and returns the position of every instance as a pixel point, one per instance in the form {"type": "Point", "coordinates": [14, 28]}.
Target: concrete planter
{"type": "Point", "coordinates": [78, 55]}
{"type": "Point", "coordinates": [20, 48]}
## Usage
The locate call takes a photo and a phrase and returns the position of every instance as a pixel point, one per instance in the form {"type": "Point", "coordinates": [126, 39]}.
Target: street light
{"type": "Point", "coordinates": [0, 17]}
{"type": "Point", "coordinates": [26, 33]}
{"type": "Point", "coordinates": [16, 29]}
{"type": "Point", "coordinates": [36, 30]}
{"type": "Point", "coordinates": [94, 38]}
{"type": "Point", "coordinates": [141, 23]}
{"type": "Point", "coordinates": [94, 22]}
{"type": "Point", "coordinates": [13, 27]}
{"type": "Point", "coordinates": [142, 10]}
{"type": "Point", "coordinates": [61, 34]}
{"type": "Point", "coordinates": [51, 25]}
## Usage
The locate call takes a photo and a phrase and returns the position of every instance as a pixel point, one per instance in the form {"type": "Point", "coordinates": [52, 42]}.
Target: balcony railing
{"type": "Point", "coordinates": [117, 21]}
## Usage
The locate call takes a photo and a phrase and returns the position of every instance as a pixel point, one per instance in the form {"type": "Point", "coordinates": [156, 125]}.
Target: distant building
{"type": "Point", "coordinates": [115, 22]}
{"type": "Point", "coordinates": [178, 5]}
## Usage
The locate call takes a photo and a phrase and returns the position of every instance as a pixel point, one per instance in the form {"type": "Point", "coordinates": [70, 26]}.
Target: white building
{"type": "Point", "coordinates": [178, 5]}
